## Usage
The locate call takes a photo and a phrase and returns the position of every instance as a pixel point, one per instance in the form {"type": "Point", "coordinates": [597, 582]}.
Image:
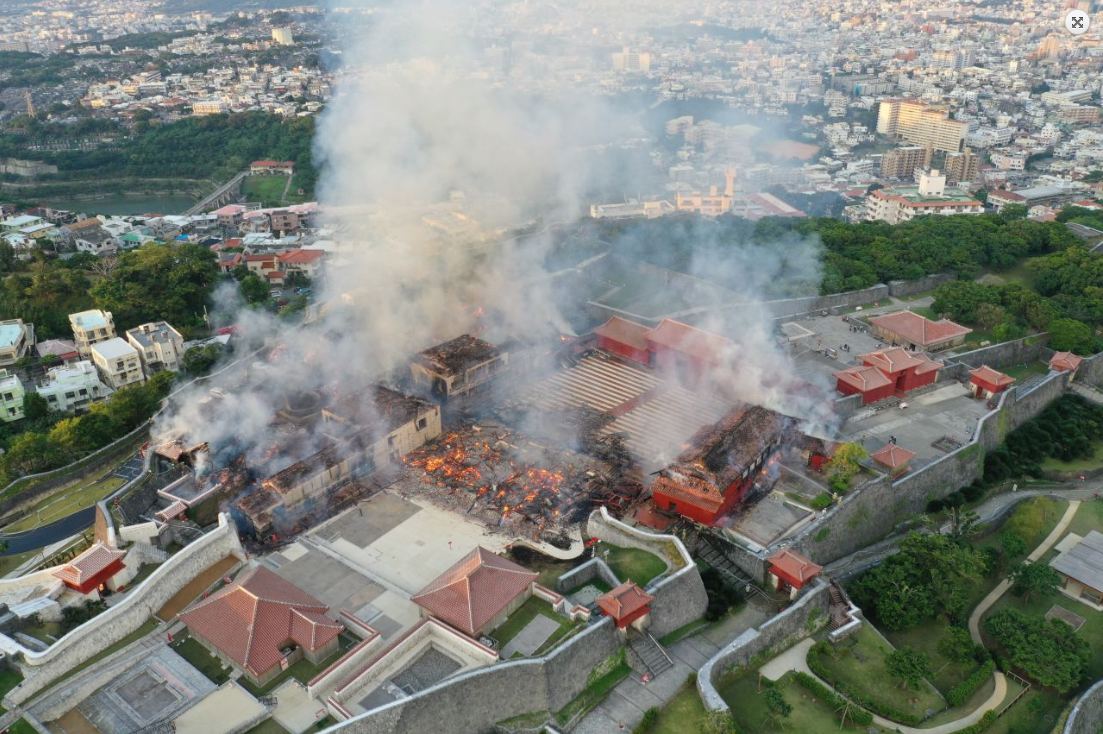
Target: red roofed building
{"type": "Point", "coordinates": [92, 570]}
{"type": "Point", "coordinates": [307, 262]}
{"type": "Point", "coordinates": [685, 350]}
{"type": "Point", "coordinates": [252, 621]}
{"type": "Point", "coordinates": [1061, 361]}
{"type": "Point", "coordinates": [477, 593]}
{"type": "Point", "coordinates": [893, 457]}
{"type": "Point", "coordinates": [986, 382]}
{"type": "Point", "coordinates": [624, 338]}
{"type": "Point", "coordinates": [869, 382]}
{"type": "Point", "coordinates": [887, 372]}
{"type": "Point", "coordinates": [625, 604]}
{"type": "Point", "coordinates": [918, 332]}
{"type": "Point", "coordinates": [788, 569]}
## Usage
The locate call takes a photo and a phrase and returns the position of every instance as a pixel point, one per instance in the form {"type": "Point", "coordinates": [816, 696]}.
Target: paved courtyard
{"type": "Point", "coordinates": [227, 709]}
{"type": "Point", "coordinates": [529, 639]}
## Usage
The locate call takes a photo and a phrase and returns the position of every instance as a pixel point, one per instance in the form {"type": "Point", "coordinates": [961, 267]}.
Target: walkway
{"type": "Point", "coordinates": [202, 205]}
{"type": "Point", "coordinates": [627, 702]}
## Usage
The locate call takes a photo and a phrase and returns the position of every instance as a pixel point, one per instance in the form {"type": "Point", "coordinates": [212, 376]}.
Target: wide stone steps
{"type": "Point", "coordinates": [651, 653]}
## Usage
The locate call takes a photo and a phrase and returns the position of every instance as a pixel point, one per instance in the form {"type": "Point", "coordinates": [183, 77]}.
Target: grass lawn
{"type": "Point", "coordinates": [293, 196]}
{"type": "Point", "coordinates": [56, 507]}
{"type": "Point", "coordinates": [143, 574]}
{"type": "Point", "coordinates": [1028, 715]}
{"type": "Point", "coordinates": [686, 630]}
{"type": "Point", "coordinates": [1022, 371]}
{"type": "Point", "coordinates": [920, 295]}
{"type": "Point", "coordinates": [1092, 631]}
{"type": "Point", "coordinates": [12, 562]}
{"type": "Point", "coordinates": [1095, 462]}
{"type": "Point", "coordinates": [594, 693]}
{"type": "Point", "coordinates": [863, 668]}
{"type": "Point", "coordinates": [548, 569]}
{"type": "Point", "coordinates": [1089, 517]}
{"type": "Point", "coordinates": [9, 679]}
{"type": "Point", "coordinates": [631, 564]}
{"type": "Point", "coordinates": [683, 713]}
{"type": "Point", "coordinates": [525, 614]}
{"type": "Point", "coordinates": [268, 726]}
{"type": "Point", "coordinates": [133, 637]}
{"type": "Point", "coordinates": [47, 632]}
{"type": "Point", "coordinates": [22, 727]}
{"type": "Point", "coordinates": [266, 189]}
{"type": "Point", "coordinates": [809, 716]}
{"type": "Point", "coordinates": [925, 311]}
{"type": "Point", "coordinates": [925, 638]}
{"type": "Point", "coordinates": [201, 659]}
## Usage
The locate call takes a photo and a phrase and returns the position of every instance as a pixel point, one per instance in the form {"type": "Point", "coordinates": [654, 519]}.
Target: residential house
{"type": "Point", "coordinates": [72, 388]}
{"type": "Point", "coordinates": [16, 341]}
{"type": "Point", "coordinates": [307, 262]}
{"type": "Point", "coordinates": [267, 168]}
{"type": "Point", "coordinates": [118, 363]}
{"type": "Point", "coordinates": [95, 240]}
{"type": "Point", "coordinates": [90, 327]}
{"type": "Point", "coordinates": [63, 349]}
{"type": "Point", "coordinates": [11, 397]}
{"type": "Point", "coordinates": [159, 346]}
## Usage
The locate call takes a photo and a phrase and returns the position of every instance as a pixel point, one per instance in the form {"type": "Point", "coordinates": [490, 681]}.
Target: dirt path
{"type": "Point", "coordinates": [197, 586]}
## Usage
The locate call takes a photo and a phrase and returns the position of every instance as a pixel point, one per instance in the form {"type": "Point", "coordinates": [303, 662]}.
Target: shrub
{"type": "Point", "coordinates": [648, 722]}
{"type": "Point", "coordinates": [960, 693]}
{"type": "Point", "coordinates": [857, 715]}
{"type": "Point", "coordinates": [691, 679]}
{"type": "Point", "coordinates": [821, 501]}
{"type": "Point", "coordinates": [986, 721]}
{"type": "Point", "coordinates": [816, 665]}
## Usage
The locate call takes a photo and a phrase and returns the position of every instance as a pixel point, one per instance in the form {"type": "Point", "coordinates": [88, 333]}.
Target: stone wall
{"type": "Point", "coordinates": [595, 568]}
{"type": "Point", "coordinates": [901, 288]}
{"type": "Point", "coordinates": [877, 507]}
{"type": "Point", "coordinates": [808, 614]}
{"type": "Point", "coordinates": [997, 356]}
{"type": "Point", "coordinates": [475, 701]}
{"type": "Point", "coordinates": [40, 668]}
{"type": "Point", "coordinates": [1091, 370]}
{"type": "Point", "coordinates": [848, 406]}
{"type": "Point", "coordinates": [1087, 714]}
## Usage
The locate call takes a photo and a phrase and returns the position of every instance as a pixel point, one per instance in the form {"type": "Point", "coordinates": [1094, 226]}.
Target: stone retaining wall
{"type": "Point", "coordinates": [125, 617]}
{"type": "Point", "coordinates": [595, 568]}
{"type": "Point", "coordinates": [803, 618]}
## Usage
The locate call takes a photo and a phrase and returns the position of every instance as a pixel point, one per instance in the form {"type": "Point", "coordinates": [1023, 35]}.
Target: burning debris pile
{"type": "Point", "coordinates": [506, 480]}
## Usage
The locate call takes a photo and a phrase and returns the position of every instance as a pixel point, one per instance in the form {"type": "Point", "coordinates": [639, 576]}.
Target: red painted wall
{"type": "Point", "coordinates": [990, 387]}
{"type": "Point", "coordinates": [611, 345]}
{"type": "Point", "coordinates": [910, 380]}
{"type": "Point", "coordinates": [867, 397]}
{"type": "Point", "coordinates": [693, 512]}
{"type": "Point", "coordinates": [688, 368]}
{"type": "Point", "coordinates": [625, 621]}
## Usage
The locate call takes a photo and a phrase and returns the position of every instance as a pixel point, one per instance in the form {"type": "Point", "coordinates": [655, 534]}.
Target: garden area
{"type": "Point", "coordinates": [757, 710]}
{"type": "Point", "coordinates": [201, 659]}
{"type": "Point", "coordinates": [520, 618]}
{"type": "Point", "coordinates": [632, 564]}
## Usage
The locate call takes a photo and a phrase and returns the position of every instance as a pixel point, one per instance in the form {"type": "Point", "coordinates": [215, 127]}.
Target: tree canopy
{"type": "Point", "coordinates": [1047, 650]}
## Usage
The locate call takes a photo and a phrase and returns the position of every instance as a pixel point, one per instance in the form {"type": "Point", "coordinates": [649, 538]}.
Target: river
{"type": "Point", "coordinates": [119, 204]}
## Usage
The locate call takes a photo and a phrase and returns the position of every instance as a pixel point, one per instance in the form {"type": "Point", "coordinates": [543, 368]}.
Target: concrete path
{"type": "Point", "coordinates": [627, 702]}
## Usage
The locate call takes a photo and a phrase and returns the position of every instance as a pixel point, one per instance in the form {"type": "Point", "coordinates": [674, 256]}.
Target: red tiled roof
{"type": "Point", "coordinates": [272, 164]}
{"type": "Point", "coordinates": [625, 332]}
{"type": "Point", "coordinates": [891, 360]}
{"type": "Point", "coordinates": [176, 509]}
{"type": "Point", "coordinates": [689, 340]}
{"type": "Point", "coordinates": [88, 564]}
{"type": "Point", "coordinates": [795, 566]}
{"type": "Point", "coordinates": [919, 329]}
{"type": "Point", "coordinates": [1066, 361]}
{"type": "Point", "coordinates": [928, 364]}
{"type": "Point", "coordinates": [623, 600]}
{"type": "Point", "coordinates": [302, 257]}
{"type": "Point", "coordinates": [475, 590]}
{"type": "Point", "coordinates": [251, 619]}
{"type": "Point", "coordinates": [989, 376]}
{"type": "Point", "coordinates": [863, 377]}
{"type": "Point", "coordinates": [892, 456]}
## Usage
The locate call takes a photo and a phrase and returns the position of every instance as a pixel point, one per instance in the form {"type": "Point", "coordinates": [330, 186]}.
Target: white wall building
{"type": "Point", "coordinates": [72, 388]}
{"type": "Point", "coordinates": [118, 363]}
{"type": "Point", "coordinates": [91, 327]}
{"type": "Point", "coordinates": [160, 347]}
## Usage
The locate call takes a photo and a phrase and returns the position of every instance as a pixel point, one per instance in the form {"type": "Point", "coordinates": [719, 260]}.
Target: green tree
{"type": "Point", "coordinates": [1068, 335]}
{"type": "Point", "coordinates": [1012, 545]}
{"type": "Point", "coordinates": [1028, 579]}
{"type": "Point", "coordinates": [199, 360]}
{"type": "Point", "coordinates": [32, 453]}
{"type": "Point", "coordinates": [1049, 651]}
{"type": "Point", "coordinates": [956, 645]}
{"type": "Point", "coordinates": [718, 722]}
{"type": "Point", "coordinates": [909, 666]}
{"type": "Point", "coordinates": [254, 290]}
{"type": "Point", "coordinates": [844, 464]}
{"type": "Point", "coordinates": [776, 706]}
{"type": "Point", "coordinates": [1011, 212]}
{"type": "Point", "coordinates": [35, 407]}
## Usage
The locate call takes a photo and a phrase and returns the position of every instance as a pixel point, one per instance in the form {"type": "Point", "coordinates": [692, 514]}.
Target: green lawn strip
{"type": "Point", "coordinates": [1088, 517]}
{"type": "Point", "coordinates": [201, 659]}
{"type": "Point", "coordinates": [632, 564]}
{"type": "Point", "coordinates": [145, 629]}
{"type": "Point", "coordinates": [686, 630]}
{"type": "Point", "coordinates": [1095, 462]}
{"type": "Point", "coordinates": [598, 686]}
{"type": "Point", "coordinates": [1092, 631]}
{"type": "Point", "coordinates": [531, 720]}
{"type": "Point", "coordinates": [265, 189]}
{"type": "Point", "coordinates": [22, 727]}
{"type": "Point", "coordinates": [1022, 371]}
{"type": "Point", "coordinates": [147, 570]}
{"type": "Point", "coordinates": [9, 679]}
{"type": "Point", "coordinates": [47, 632]}
{"type": "Point", "coordinates": [863, 669]}
{"type": "Point", "coordinates": [303, 671]}
{"type": "Point", "coordinates": [1028, 715]}
{"type": "Point", "coordinates": [56, 506]}
{"type": "Point", "coordinates": [12, 562]}
{"type": "Point", "coordinates": [925, 638]}
{"type": "Point", "coordinates": [525, 614]}
{"type": "Point", "coordinates": [268, 726]}
{"type": "Point", "coordinates": [810, 715]}
{"type": "Point", "coordinates": [683, 713]}
{"type": "Point", "coordinates": [123, 452]}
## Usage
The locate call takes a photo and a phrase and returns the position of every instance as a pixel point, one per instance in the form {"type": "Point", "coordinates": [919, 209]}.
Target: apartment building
{"type": "Point", "coordinates": [160, 347]}
{"type": "Point", "coordinates": [902, 162]}
{"type": "Point", "coordinates": [16, 339]}
{"type": "Point", "coordinates": [963, 167]}
{"type": "Point", "coordinates": [11, 397]}
{"type": "Point", "coordinates": [73, 388]}
{"type": "Point", "coordinates": [922, 124]}
{"type": "Point", "coordinates": [903, 203]}
{"type": "Point", "coordinates": [91, 327]}
{"type": "Point", "coordinates": [118, 363]}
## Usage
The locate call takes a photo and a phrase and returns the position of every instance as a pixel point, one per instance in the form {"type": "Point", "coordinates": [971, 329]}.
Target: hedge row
{"type": "Point", "coordinates": [854, 694]}
{"type": "Point", "coordinates": [986, 721]}
{"type": "Point", "coordinates": [960, 693]}
{"type": "Point", "coordinates": [859, 716]}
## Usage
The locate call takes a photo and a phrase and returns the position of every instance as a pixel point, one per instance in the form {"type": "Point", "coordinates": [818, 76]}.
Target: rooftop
{"type": "Point", "coordinates": [624, 600]}
{"type": "Point", "coordinates": [93, 319]}
{"type": "Point", "coordinates": [863, 377]}
{"type": "Point", "coordinates": [10, 334]}
{"type": "Point", "coordinates": [795, 566]}
{"type": "Point", "coordinates": [689, 340]}
{"type": "Point", "coordinates": [114, 348]}
{"type": "Point", "coordinates": [989, 376]}
{"type": "Point", "coordinates": [625, 332]}
{"type": "Point", "coordinates": [1084, 561]}
{"type": "Point", "coordinates": [149, 334]}
{"type": "Point", "coordinates": [919, 330]}
{"type": "Point", "coordinates": [458, 355]}
{"type": "Point", "coordinates": [911, 195]}
{"type": "Point", "coordinates": [892, 456]}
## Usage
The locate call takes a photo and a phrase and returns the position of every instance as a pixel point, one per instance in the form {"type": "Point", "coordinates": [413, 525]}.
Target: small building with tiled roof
{"type": "Point", "coordinates": [93, 570]}
{"type": "Point", "coordinates": [869, 382]}
{"type": "Point", "coordinates": [261, 624]}
{"type": "Point", "coordinates": [626, 604]}
{"type": "Point", "coordinates": [477, 594]}
{"type": "Point", "coordinates": [624, 338]}
{"type": "Point", "coordinates": [985, 382]}
{"type": "Point", "coordinates": [1065, 362]}
{"type": "Point", "coordinates": [894, 458]}
{"type": "Point", "coordinates": [788, 569]}
{"type": "Point", "coordinates": [887, 372]}
{"type": "Point", "coordinates": [916, 332]}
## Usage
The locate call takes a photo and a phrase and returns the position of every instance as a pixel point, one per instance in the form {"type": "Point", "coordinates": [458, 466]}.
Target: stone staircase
{"type": "Point", "coordinates": [1088, 392]}
{"type": "Point", "coordinates": [149, 553]}
{"type": "Point", "coordinates": [650, 652]}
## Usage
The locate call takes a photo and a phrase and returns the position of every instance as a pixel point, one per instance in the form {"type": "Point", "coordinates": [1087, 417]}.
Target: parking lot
{"type": "Point", "coordinates": [130, 469]}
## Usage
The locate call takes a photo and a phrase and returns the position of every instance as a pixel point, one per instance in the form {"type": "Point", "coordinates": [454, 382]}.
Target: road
{"type": "Point", "coordinates": [48, 534]}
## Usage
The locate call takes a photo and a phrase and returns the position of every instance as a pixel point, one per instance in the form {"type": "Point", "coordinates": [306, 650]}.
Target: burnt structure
{"type": "Point", "coordinates": [721, 463]}
{"type": "Point", "coordinates": [459, 369]}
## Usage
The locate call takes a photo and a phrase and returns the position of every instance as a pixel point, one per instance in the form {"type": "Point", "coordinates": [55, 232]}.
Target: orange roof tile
{"type": "Point", "coordinates": [863, 377]}
{"type": "Point", "coordinates": [623, 600]}
{"type": "Point", "coordinates": [89, 563]}
{"type": "Point", "coordinates": [625, 332]}
{"type": "Point", "coordinates": [301, 257]}
{"type": "Point", "coordinates": [475, 590]}
{"type": "Point", "coordinates": [689, 340]}
{"type": "Point", "coordinates": [928, 364]}
{"type": "Point", "coordinates": [251, 619]}
{"type": "Point", "coordinates": [891, 360]}
{"type": "Point", "coordinates": [1065, 361]}
{"type": "Point", "coordinates": [989, 376]}
{"type": "Point", "coordinates": [919, 330]}
{"type": "Point", "coordinates": [892, 456]}
{"type": "Point", "coordinates": [794, 565]}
